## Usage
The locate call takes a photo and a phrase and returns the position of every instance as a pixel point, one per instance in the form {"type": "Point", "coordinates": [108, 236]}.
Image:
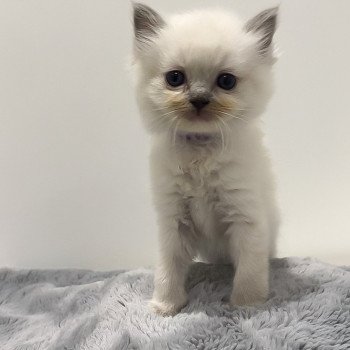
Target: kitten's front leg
{"type": "Point", "coordinates": [175, 257]}
{"type": "Point", "coordinates": [249, 252]}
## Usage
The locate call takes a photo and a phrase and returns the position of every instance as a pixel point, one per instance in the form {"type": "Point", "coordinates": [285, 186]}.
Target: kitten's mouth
{"type": "Point", "coordinates": [197, 128]}
{"type": "Point", "coordinates": [196, 137]}
{"type": "Point", "coordinates": [195, 115]}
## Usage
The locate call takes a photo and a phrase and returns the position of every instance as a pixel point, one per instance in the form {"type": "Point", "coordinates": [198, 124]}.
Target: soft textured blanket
{"type": "Point", "coordinates": [308, 308]}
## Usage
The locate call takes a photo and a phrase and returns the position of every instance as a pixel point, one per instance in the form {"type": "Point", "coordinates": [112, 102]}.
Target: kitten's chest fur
{"type": "Point", "coordinates": [197, 177]}
{"type": "Point", "coordinates": [199, 185]}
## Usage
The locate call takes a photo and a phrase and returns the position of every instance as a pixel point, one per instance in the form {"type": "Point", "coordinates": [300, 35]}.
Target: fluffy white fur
{"type": "Point", "coordinates": [213, 188]}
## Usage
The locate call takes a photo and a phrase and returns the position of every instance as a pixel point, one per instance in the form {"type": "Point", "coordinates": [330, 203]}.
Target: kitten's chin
{"type": "Point", "coordinates": [197, 126]}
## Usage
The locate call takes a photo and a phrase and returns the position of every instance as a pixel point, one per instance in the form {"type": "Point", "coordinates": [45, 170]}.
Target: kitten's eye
{"type": "Point", "coordinates": [175, 78]}
{"type": "Point", "coordinates": [226, 81]}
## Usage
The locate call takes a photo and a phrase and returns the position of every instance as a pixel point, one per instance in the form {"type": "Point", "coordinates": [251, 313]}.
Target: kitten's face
{"type": "Point", "coordinates": [201, 72]}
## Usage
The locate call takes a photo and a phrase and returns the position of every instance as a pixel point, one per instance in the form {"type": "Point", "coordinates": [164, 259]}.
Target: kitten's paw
{"type": "Point", "coordinates": [165, 308]}
{"type": "Point", "coordinates": [248, 298]}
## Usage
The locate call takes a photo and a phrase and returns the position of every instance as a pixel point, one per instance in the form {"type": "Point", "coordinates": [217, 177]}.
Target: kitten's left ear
{"type": "Point", "coordinates": [147, 23]}
{"type": "Point", "coordinates": [264, 24]}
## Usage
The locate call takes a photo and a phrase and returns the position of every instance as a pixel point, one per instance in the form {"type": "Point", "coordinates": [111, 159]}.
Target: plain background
{"type": "Point", "coordinates": [74, 183]}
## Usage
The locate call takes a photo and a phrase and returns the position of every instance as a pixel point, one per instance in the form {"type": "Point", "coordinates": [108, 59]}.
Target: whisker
{"type": "Point", "coordinates": [164, 122]}
{"type": "Point", "coordinates": [224, 144]}
{"type": "Point", "coordinates": [224, 123]}
{"type": "Point", "coordinates": [232, 116]}
{"type": "Point", "coordinates": [175, 131]}
{"type": "Point", "coordinates": [222, 135]}
{"type": "Point", "coordinates": [167, 108]}
{"type": "Point", "coordinates": [225, 107]}
{"type": "Point", "coordinates": [169, 113]}
{"type": "Point", "coordinates": [230, 108]}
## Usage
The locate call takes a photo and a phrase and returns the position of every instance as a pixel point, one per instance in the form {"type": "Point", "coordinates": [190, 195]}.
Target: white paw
{"type": "Point", "coordinates": [165, 308]}
{"type": "Point", "coordinates": [248, 297]}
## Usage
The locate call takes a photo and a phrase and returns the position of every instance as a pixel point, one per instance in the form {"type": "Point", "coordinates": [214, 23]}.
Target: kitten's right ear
{"type": "Point", "coordinates": [147, 23]}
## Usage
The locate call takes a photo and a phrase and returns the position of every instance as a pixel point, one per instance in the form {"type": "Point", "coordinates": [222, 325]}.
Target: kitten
{"type": "Point", "coordinates": [203, 78]}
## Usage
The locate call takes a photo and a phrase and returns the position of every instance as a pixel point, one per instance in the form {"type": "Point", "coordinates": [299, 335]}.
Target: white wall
{"type": "Point", "coordinates": [74, 185]}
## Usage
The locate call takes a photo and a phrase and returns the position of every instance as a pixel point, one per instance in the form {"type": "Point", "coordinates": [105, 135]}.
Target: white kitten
{"type": "Point", "coordinates": [203, 78]}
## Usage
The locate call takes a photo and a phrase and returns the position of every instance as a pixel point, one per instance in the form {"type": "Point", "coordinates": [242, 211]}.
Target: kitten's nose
{"type": "Point", "coordinates": [199, 102]}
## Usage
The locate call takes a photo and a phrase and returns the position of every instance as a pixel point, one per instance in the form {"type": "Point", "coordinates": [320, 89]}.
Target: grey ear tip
{"type": "Point", "coordinates": [136, 4]}
{"type": "Point", "coordinates": [273, 12]}
{"type": "Point", "coordinates": [147, 22]}
{"type": "Point", "coordinates": [139, 6]}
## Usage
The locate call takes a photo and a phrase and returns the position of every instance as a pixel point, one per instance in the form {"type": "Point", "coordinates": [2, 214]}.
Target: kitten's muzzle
{"type": "Point", "coordinates": [199, 102]}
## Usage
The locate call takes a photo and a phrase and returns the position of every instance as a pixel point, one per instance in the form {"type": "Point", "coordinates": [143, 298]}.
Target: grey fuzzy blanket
{"type": "Point", "coordinates": [71, 309]}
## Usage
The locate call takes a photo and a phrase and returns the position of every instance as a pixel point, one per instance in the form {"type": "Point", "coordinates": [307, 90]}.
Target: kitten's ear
{"type": "Point", "coordinates": [264, 24]}
{"type": "Point", "coordinates": [147, 23]}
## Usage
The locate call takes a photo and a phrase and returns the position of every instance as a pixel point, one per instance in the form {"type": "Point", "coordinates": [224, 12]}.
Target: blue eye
{"type": "Point", "coordinates": [226, 81]}
{"type": "Point", "coordinates": [175, 78]}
